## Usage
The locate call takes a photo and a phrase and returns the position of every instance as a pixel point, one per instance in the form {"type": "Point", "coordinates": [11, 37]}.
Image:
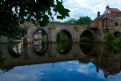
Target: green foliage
{"type": "Point", "coordinates": [13, 12]}
{"type": "Point", "coordinates": [63, 47]}
{"type": "Point", "coordinates": [2, 59]}
{"type": "Point", "coordinates": [84, 39]}
{"type": "Point", "coordinates": [71, 21]}
{"type": "Point", "coordinates": [112, 40]}
{"type": "Point", "coordinates": [9, 26]}
{"type": "Point", "coordinates": [110, 37]}
{"type": "Point", "coordinates": [63, 37]}
{"type": "Point", "coordinates": [85, 20]}
{"type": "Point", "coordinates": [84, 60]}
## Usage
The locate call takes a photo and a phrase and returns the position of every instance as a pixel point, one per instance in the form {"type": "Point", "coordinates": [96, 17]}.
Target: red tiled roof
{"type": "Point", "coordinates": [94, 24]}
{"type": "Point", "coordinates": [114, 10]}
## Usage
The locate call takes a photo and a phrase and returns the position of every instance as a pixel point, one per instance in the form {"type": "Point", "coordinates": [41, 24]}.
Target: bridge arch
{"type": "Point", "coordinates": [40, 39]}
{"type": "Point", "coordinates": [65, 32]}
{"type": "Point", "coordinates": [89, 34]}
{"type": "Point", "coordinates": [15, 49]}
{"type": "Point", "coordinates": [40, 31]}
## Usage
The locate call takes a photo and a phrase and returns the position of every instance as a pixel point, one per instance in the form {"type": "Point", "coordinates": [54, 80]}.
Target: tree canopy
{"type": "Point", "coordinates": [71, 21]}
{"type": "Point", "coordinates": [14, 12]}
{"type": "Point", "coordinates": [85, 20]}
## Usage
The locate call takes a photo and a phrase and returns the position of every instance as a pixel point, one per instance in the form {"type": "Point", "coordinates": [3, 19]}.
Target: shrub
{"type": "Point", "coordinates": [112, 40]}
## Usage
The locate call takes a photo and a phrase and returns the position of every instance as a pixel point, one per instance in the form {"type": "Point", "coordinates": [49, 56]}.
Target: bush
{"type": "Point", "coordinates": [110, 36]}
{"type": "Point", "coordinates": [84, 39]}
{"type": "Point", "coordinates": [112, 40]}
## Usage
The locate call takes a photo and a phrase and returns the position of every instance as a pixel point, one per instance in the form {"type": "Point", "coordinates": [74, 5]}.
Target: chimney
{"type": "Point", "coordinates": [107, 7]}
{"type": "Point", "coordinates": [98, 14]}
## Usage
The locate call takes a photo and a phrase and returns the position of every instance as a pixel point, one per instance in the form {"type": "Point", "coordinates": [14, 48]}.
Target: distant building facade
{"type": "Point", "coordinates": [109, 20]}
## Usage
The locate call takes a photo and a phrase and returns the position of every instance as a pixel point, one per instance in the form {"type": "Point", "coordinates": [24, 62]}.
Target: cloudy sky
{"type": "Point", "coordinates": [88, 7]}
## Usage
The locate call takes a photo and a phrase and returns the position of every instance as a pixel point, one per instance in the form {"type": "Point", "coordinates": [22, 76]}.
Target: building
{"type": "Point", "coordinates": [109, 20]}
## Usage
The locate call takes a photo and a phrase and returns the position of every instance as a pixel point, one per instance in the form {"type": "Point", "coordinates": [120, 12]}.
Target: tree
{"type": "Point", "coordinates": [71, 21]}
{"type": "Point", "coordinates": [84, 20]}
{"type": "Point", "coordinates": [14, 12]}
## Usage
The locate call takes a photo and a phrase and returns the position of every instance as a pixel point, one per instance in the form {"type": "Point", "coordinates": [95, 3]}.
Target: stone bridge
{"type": "Point", "coordinates": [75, 31]}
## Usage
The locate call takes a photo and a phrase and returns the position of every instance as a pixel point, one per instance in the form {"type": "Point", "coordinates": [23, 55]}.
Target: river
{"type": "Point", "coordinates": [59, 62]}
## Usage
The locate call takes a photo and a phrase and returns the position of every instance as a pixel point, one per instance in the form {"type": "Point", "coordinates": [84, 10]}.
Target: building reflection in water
{"type": "Point", "coordinates": [39, 47]}
{"type": "Point", "coordinates": [103, 57]}
{"type": "Point", "coordinates": [15, 49]}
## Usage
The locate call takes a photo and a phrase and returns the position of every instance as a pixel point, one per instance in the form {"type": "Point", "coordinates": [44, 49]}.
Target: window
{"type": "Point", "coordinates": [116, 21]}
{"type": "Point", "coordinates": [111, 20]}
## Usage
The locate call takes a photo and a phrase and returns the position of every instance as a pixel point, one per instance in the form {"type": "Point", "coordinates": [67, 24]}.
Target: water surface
{"type": "Point", "coordinates": [59, 62]}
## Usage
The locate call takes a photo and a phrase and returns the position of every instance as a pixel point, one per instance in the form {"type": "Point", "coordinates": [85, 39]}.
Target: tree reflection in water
{"type": "Point", "coordinates": [64, 47]}
{"type": "Point", "coordinates": [2, 61]}
{"type": "Point", "coordinates": [88, 48]}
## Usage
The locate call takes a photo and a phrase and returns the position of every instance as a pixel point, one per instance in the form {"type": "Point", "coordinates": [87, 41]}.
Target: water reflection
{"type": "Point", "coordinates": [39, 47]}
{"type": "Point", "coordinates": [83, 61]}
{"type": "Point", "coordinates": [88, 48]}
{"type": "Point", "coordinates": [108, 60]}
{"type": "Point", "coordinates": [15, 49]}
{"type": "Point", "coordinates": [64, 47]}
{"type": "Point", "coordinates": [2, 59]}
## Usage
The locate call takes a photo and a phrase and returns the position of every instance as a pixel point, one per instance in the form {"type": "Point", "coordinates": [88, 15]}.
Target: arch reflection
{"type": "Point", "coordinates": [88, 48]}
{"type": "Point", "coordinates": [40, 48]}
{"type": "Point", "coordinates": [40, 45]}
{"type": "Point", "coordinates": [64, 47]}
{"type": "Point", "coordinates": [16, 49]}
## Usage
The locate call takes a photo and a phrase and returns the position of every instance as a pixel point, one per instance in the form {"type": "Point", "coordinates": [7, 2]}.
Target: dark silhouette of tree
{"type": "Point", "coordinates": [14, 12]}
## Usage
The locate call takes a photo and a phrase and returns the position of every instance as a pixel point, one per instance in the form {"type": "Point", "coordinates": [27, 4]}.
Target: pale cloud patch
{"type": "Point", "coordinates": [88, 7]}
{"type": "Point", "coordinates": [85, 69]}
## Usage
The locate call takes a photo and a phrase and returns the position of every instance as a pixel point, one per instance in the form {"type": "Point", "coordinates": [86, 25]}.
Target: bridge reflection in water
{"type": "Point", "coordinates": [104, 58]}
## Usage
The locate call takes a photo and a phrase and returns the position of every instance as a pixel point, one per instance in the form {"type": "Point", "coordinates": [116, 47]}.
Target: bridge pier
{"type": "Point", "coordinates": [76, 37]}
{"type": "Point", "coordinates": [99, 33]}
{"type": "Point", "coordinates": [51, 35]}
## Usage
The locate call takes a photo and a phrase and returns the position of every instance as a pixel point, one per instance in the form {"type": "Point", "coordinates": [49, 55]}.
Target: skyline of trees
{"type": "Point", "coordinates": [84, 20]}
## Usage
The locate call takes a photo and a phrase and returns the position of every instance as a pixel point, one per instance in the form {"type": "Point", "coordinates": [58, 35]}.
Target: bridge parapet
{"type": "Point", "coordinates": [53, 28]}
{"type": "Point", "coordinates": [58, 24]}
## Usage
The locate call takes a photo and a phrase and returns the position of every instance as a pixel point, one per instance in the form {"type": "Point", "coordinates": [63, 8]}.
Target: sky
{"type": "Point", "coordinates": [89, 8]}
